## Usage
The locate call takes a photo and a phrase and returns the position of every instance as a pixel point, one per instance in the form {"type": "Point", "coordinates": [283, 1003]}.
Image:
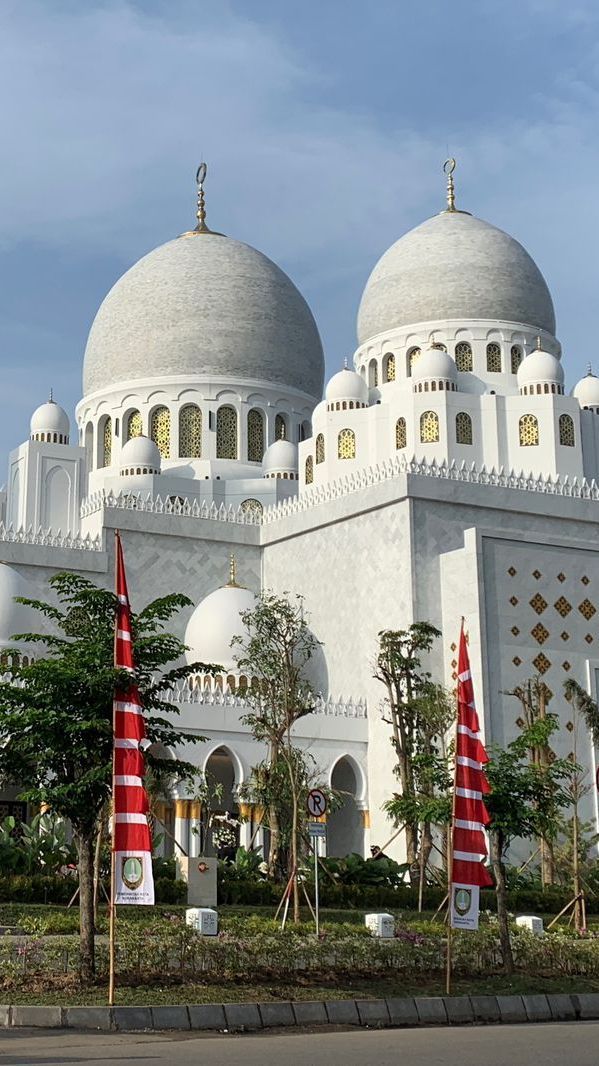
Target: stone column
{"type": "Point", "coordinates": [195, 813]}
{"type": "Point", "coordinates": [182, 815]}
{"type": "Point", "coordinates": [366, 829]}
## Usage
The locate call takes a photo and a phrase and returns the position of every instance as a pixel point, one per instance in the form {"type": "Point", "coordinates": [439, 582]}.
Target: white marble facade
{"type": "Point", "coordinates": [449, 473]}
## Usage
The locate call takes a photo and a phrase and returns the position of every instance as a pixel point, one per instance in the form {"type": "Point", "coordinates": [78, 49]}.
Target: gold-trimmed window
{"type": "Point", "coordinates": [389, 367]}
{"type": "Point", "coordinates": [190, 432]}
{"type": "Point", "coordinates": [280, 428]}
{"type": "Point", "coordinates": [107, 443]}
{"type": "Point", "coordinates": [320, 448]}
{"type": "Point", "coordinates": [160, 430]}
{"type": "Point", "coordinates": [255, 435]}
{"type": "Point", "coordinates": [373, 374]}
{"type": "Point", "coordinates": [401, 434]}
{"type": "Point", "coordinates": [413, 357]}
{"type": "Point", "coordinates": [226, 432]}
{"type": "Point", "coordinates": [134, 425]}
{"type": "Point", "coordinates": [463, 356]}
{"type": "Point", "coordinates": [494, 358]}
{"type": "Point", "coordinates": [429, 427]}
{"type": "Point", "coordinates": [566, 431]}
{"type": "Point", "coordinates": [309, 470]}
{"type": "Point", "coordinates": [346, 444]}
{"type": "Point", "coordinates": [463, 428]}
{"type": "Point", "coordinates": [516, 357]}
{"type": "Point", "coordinates": [528, 430]}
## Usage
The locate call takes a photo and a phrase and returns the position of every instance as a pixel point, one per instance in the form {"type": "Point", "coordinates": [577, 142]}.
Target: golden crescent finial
{"type": "Point", "coordinates": [232, 571]}
{"type": "Point", "coordinates": [448, 169]}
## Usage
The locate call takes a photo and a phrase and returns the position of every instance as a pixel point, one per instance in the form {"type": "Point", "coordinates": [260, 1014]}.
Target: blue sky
{"type": "Point", "coordinates": [325, 125]}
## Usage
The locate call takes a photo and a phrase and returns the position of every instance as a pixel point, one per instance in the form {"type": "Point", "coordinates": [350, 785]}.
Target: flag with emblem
{"type": "Point", "coordinates": [470, 815]}
{"type": "Point", "coordinates": [131, 837]}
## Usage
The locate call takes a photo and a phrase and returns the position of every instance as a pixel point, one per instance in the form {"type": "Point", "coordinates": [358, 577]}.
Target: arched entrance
{"type": "Point", "coordinates": [345, 831]}
{"type": "Point", "coordinates": [220, 782]}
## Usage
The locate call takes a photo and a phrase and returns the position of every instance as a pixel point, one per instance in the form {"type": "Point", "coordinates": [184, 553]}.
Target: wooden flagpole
{"type": "Point", "coordinates": [450, 848]}
{"type": "Point", "coordinates": [112, 906]}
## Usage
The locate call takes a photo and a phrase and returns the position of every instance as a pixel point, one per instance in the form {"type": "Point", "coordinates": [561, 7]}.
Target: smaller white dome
{"type": "Point", "coordinates": [434, 364]}
{"type": "Point", "coordinates": [540, 368]}
{"type": "Point", "coordinates": [586, 391]}
{"type": "Point", "coordinates": [214, 623]}
{"type": "Point", "coordinates": [140, 455]}
{"type": "Point", "coordinates": [280, 457]}
{"type": "Point", "coordinates": [319, 413]}
{"type": "Point", "coordinates": [347, 385]}
{"type": "Point", "coordinates": [50, 419]}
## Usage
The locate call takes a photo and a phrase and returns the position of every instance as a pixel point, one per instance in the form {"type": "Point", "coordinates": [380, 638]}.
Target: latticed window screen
{"type": "Point", "coordinates": [226, 433]}
{"type": "Point", "coordinates": [160, 430]}
{"type": "Point", "coordinates": [134, 425]}
{"type": "Point", "coordinates": [373, 374]}
{"type": "Point", "coordinates": [252, 507]}
{"type": "Point", "coordinates": [529, 430]}
{"type": "Point", "coordinates": [463, 356]}
{"type": "Point", "coordinates": [413, 356]}
{"type": "Point", "coordinates": [401, 434]}
{"type": "Point", "coordinates": [346, 444]}
{"type": "Point", "coordinates": [190, 432]}
{"type": "Point", "coordinates": [494, 358]}
{"type": "Point", "coordinates": [107, 443]}
{"type": "Point", "coordinates": [320, 448]}
{"type": "Point", "coordinates": [255, 436]}
{"type": "Point", "coordinates": [566, 431]}
{"type": "Point", "coordinates": [463, 428]}
{"type": "Point", "coordinates": [309, 470]}
{"type": "Point", "coordinates": [516, 355]}
{"type": "Point", "coordinates": [429, 427]}
{"type": "Point", "coordinates": [389, 367]}
{"type": "Point", "coordinates": [280, 428]}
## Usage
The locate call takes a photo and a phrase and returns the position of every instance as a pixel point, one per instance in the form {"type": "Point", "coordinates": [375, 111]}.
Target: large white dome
{"type": "Point", "coordinates": [204, 305]}
{"type": "Point", "coordinates": [454, 266]}
{"type": "Point", "coordinates": [214, 623]}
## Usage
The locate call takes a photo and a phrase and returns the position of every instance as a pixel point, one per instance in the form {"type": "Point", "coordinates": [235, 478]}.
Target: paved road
{"type": "Point", "coordinates": [576, 1043]}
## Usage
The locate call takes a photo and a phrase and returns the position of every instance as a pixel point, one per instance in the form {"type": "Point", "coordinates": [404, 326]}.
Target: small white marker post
{"type": "Point", "coordinates": [317, 805]}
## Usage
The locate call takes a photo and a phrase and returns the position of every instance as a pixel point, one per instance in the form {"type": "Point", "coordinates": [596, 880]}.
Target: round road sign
{"type": "Point", "coordinates": [316, 802]}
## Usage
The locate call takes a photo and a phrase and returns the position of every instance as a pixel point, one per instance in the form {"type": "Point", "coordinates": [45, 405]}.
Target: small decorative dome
{"type": "Point", "coordinates": [586, 391]}
{"type": "Point", "coordinates": [280, 460]}
{"type": "Point", "coordinates": [347, 385]}
{"type": "Point", "coordinates": [140, 456]}
{"type": "Point", "coordinates": [50, 423]}
{"type": "Point", "coordinates": [540, 368]}
{"type": "Point", "coordinates": [435, 366]}
{"type": "Point", "coordinates": [14, 617]}
{"type": "Point", "coordinates": [214, 623]}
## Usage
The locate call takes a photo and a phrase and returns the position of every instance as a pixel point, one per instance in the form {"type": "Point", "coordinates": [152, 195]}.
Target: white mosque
{"type": "Point", "coordinates": [448, 472]}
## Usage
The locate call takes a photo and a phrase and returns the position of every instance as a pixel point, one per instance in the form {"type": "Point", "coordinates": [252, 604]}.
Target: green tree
{"type": "Point", "coordinates": [533, 696]}
{"type": "Point", "coordinates": [277, 650]}
{"type": "Point", "coordinates": [420, 713]}
{"type": "Point", "coordinates": [56, 714]}
{"type": "Point", "coordinates": [586, 713]}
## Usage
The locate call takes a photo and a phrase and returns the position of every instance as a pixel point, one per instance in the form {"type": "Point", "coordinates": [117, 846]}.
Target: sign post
{"type": "Point", "coordinates": [317, 806]}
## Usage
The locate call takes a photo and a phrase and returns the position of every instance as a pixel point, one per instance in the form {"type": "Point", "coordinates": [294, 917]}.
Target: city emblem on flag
{"type": "Point", "coordinates": [132, 871]}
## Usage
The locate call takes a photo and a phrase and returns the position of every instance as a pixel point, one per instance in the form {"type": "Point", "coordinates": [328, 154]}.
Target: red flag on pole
{"type": "Point", "coordinates": [470, 815]}
{"type": "Point", "coordinates": [131, 837]}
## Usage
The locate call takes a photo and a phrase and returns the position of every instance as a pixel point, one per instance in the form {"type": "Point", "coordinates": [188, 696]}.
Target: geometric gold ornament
{"type": "Point", "coordinates": [586, 609]}
{"type": "Point", "coordinates": [541, 662]}
{"type": "Point", "coordinates": [538, 604]}
{"type": "Point", "coordinates": [562, 606]}
{"type": "Point", "coordinates": [540, 633]}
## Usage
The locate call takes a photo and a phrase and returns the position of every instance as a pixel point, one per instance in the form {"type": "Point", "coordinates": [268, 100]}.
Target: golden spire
{"type": "Point", "coordinates": [539, 346]}
{"type": "Point", "coordinates": [201, 227]}
{"type": "Point", "coordinates": [448, 169]}
{"type": "Point", "coordinates": [233, 572]}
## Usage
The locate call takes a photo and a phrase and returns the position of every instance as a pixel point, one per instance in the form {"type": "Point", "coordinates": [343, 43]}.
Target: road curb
{"type": "Point", "coordinates": [413, 1013]}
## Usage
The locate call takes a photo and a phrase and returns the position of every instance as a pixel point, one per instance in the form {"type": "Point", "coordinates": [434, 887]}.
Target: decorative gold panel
{"type": "Point", "coordinates": [566, 431]}
{"type": "Point", "coordinates": [252, 507]}
{"type": "Point", "coordinates": [401, 434]}
{"type": "Point", "coordinates": [537, 574]}
{"type": "Point", "coordinates": [585, 580]}
{"type": "Point", "coordinates": [389, 367]}
{"type": "Point", "coordinates": [463, 428]}
{"type": "Point", "coordinates": [561, 578]}
{"type": "Point", "coordinates": [513, 600]}
{"type": "Point", "coordinates": [494, 358]}
{"type": "Point", "coordinates": [280, 428]}
{"type": "Point", "coordinates": [414, 355]}
{"type": "Point", "coordinates": [516, 356]}
{"type": "Point", "coordinates": [346, 444]}
{"type": "Point", "coordinates": [463, 356]}
{"type": "Point", "coordinates": [564, 635]}
{"type": "Point", "coordinates": [516, 660]}
{"type": "Point", "coordinates": [107, 443]}
{"type": "Point", "coordinates": [160, 430]}
{"type": "Point", "coordinates": [589, 639]}
{"type": "Point", "coordinates": [541, 663]}
{"type": "Point", "coordinates": [515, 631]}
{"type": "Point", "coordinates": [566, 665]}
{"type": "Point", "coordinates": [134, 425]}
{"type": "Point", "coordinates": [540, 633]}
{"type": "Point", "coordinates": [320, 448]}
{"type": "Point", "coordinates": [538, 604]}
{"type": "Point", "coordinates": [429, 427]}
{"type": "Point", "coordinates": [309, 470]}
{"type": "Point", "coordinates": [190, 432]}
{"type": "Point", "coordinates": [255, 436]}
{"type": "Point", "coordinates": [373, 374]}
{"type": "Point", "coordinates": [529, 431]}
{"type": "Point", "coordinates": [562, 606]}
{"type": "Point", "coordinates": [512, 571]}
{"type": "Point", "coordinates": [586, 609]}
{"type": "Point", "coordinates": [226, 433]}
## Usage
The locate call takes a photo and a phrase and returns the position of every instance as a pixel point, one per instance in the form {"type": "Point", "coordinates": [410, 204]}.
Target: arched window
{"type": "Point", "coordinates": [401, 434]}
{"type": "Point", "coordinates": [255, 436]}
{"type": "Point", "coordinates": [226, 433]}
{"type": "Point", "coordinates": [529, 430]}
{"type": "Point", "coordinates": [373, 374]}
{"type": "Point", "coordinates": [516, 356]}
{"type": "Point", "coordinates": [566, 431]}
{"type": "Point", "coordinates": [107, 443]}
{"type": "Point", "coordinates": [389, 367]}
{"type": "Point", "coordinates": [190, 432]}
{"type": "Point", "coordinates": [134, 425]}
{"type": "Point", "coordinates": [463, 428]}
{"type": "Point", "coordinates": [309, 470]}
{"type": "Point", "coordinates": [280, 428]}
{"type": "Point", "coordinates": [346, 444]}
{"type": "Point", "coordinates": [160, 430]}
{"type": "Point", "coordinates": [429, 427]}
{"type": "Point", "coordinates": [463, 356]}
{"type": "Point", "coordinates": [494, 358]}
{"type": "Point", "coordinates": [253, 507]}
{"type": "Point", "coordinates": [413, 357]}
{"type": "Point", "coordinates": [320, 448]}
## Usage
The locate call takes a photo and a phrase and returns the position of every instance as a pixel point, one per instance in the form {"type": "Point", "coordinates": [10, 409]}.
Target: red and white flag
{"type": "Point", "coordinates": [470, 815]}
{"type": "Point", "coordinates": [131, 837]}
